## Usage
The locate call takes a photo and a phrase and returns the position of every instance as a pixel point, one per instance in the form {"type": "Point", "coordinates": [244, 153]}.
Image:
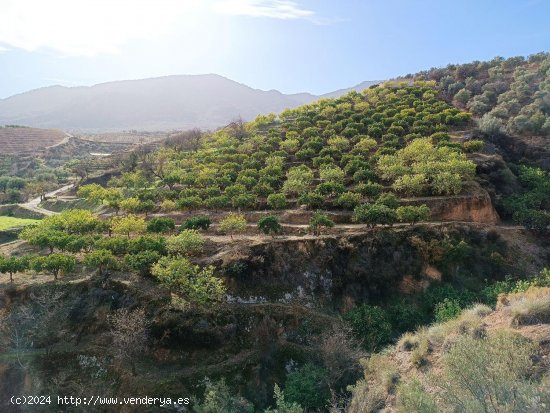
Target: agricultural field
{"type": "Point", "coordinates": [11, 222]}
{"type": "Point", "coordinates": [18, 140]}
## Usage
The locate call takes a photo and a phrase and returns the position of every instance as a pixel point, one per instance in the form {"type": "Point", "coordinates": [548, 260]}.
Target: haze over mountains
{"type": "Point", "coordinates": [162, 103]}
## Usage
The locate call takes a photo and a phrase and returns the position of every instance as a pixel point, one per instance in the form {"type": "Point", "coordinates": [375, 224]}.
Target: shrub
{"type": "Point", "coordinates": [147, 243]}
{"type": "Point", "coordinates": [473, 145]}
{"type": "Point", "coordinates": [373, 214]}
{"type": "Point", "coordinates": [142, 261]}
{"type": "Point", "coordinates": [413, 214]}
{"type": "Point", "coordinates": [276, 201]}
{"type": "Point", "coordinates": [447, 310]}
{"type": "Point", "coordinates": [102, 260]}
{"type": "Point", "coordinates": [388, 199]}
{"type": "Point", "coordinates": [413, 398]}
{"type": "Point", "coordinates": [188, 242]}
{"type": "Point", "coordinates": [269, 225]}
{"type": "Point", "coordinates": [319, 220]}
{"type": "Point", "coordinates": [308, 387]}
{"type": "Point", "coordinates": [369, 188]}
{"type": "Point", "coordinates": [370, 324]}
{"type": "Point", "coordinates": [281, 405]}
{"type": "Point", "coordinates": [219, 399]}
{"type": "Point", "coordinates": [161, 225]}
{"type": "Point", "coordinates": [312, 199]}
{"type": "Point", "coordinates": [348, 200]}
{"type": "Point", "coordinates": [197, 284]}
{"type": "Point", "coordinates": [198, 222]}
{"type": "Point", "coordinates": [497, 367]}
{"type": "Point", "coordinates": [232, 224]}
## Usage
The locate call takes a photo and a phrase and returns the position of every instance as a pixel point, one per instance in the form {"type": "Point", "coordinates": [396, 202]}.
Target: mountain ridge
{"type": "Point", "coordinates": [168, 102]}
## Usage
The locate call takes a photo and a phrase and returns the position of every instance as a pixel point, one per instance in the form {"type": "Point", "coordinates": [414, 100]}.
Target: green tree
{"type": "Point", "coordinates": [276, 201]}
{"type": "Point", "coordinates": [413, 214]}
{"type": "Point", "coordinates": [199, 222]}
{"type": "Point", "coordinates": [12, 265]}
{"type": "Point", "coordinates": [373, 214]}
{"type": "Point", "coordinates": [348, 200]}
{"type": "Point", "coordinates": [128, 225]}
{"type": "Point", "coordinates": [54, 263]}
{"type": "Point", "coordinates": [308, 387]}
{"type": "Point", "coordinates": [188, 242]}
{"type": "Point", "coordinates": [233, 223]}
{"type": "Point", "coordinates": [142, 261]}
{"type": "Point", "coordinates": [319, 220]}
{"type": "Point", "coordinates": [161, 225]}
{"type": "Point", "coordinates": [198, 285]}
{"type": "Point", "coordinates": [370, 324]}
{"type": "Point", "coordinates": [269, 225]}
{"type": "Point", "coordinates": [101, 259]}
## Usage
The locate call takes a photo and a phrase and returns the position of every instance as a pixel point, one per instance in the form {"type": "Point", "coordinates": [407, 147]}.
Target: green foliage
{"type": "Point", "coordinates": [374, 214]}
{"type": "Point", "coordinates": [308, 387]}
{"type": "Point", "coordinates": [276, 201]}
{"type": "Point", "coordinates": [490, 374]}
{"type": "Point", "coordinates": [443, 168]}
{"type": "Point", "coordinates": [348, 200]}
{"type": "Point", "coordinates": [218, 398]}
{"type": "Point", "coordinates": [128, 225]}
{"type": "Point", "coordinates": [198, 285]}
{"type": "Point", "coordinates": [188, 242]}
{"type": "Point", "coordinates": [413, 398]}
{"type": "Point", "coordinates": [371, 325]}
{"type": "Point", "coordinates": [388, 199]}
{"type": "Point", "coordinates": [283, 406]}
{"type": "Point", "coordinates": [269, 225]}
{"type": "Point", "coordinates": [161, 225]}
{"type": "Point", "coordinates": [319, 220]}
{"type": "Point", "coordinates": [530, 207]}
{"type": "Point", "coordinates": [473, 145]}
{"type": "Point", "coordinates": [198, 222]}
{"type": "Point", "coordinates": [101, 259]}
{"type": "Point", "coordinates": [117, 245]}
{"type": "Point", "coordinates": [447, 310]}
{"type": "Point", "coordinates": [233, 223]}
{"type": "Point", "coordinates": [54, 263]}
{"type": "Point", "coordinates": [142, 261]}
{"type": "Point", "coordinates": [413, 214]}
{"type": "Point", "coordinates": [12, 265]}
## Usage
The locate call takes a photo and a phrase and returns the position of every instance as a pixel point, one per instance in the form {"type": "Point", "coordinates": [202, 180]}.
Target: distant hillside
{"type": "Point", "coordinates": [163, 103]}
{"type": "Point", "coordinates": [16, 140]}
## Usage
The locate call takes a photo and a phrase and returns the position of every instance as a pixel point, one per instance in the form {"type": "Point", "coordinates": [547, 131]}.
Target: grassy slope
{"type": "Point", "coordinates": [10, 222]}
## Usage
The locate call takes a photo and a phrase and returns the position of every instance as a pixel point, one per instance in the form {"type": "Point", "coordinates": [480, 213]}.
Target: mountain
{"type": "Point", "coordinates": [163, 103]}
{"type": "Point", "coordinates": [359, 87]}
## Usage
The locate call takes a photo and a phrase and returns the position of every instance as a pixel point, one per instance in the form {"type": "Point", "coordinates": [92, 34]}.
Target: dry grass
{"type": "Point", "coordinates": [530, 307]}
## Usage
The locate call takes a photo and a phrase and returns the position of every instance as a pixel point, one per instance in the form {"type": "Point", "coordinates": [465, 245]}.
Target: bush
{"type": "Point", "coordinates": [269, 225]}
{"type": "Point", "coordinates": [312, 200]}
{"type": "Point", "coordinates": [473, 145]}
{"type": "Point", "coordinates": [102, 260]}
{"type": "Point", "coordinates": [388, 199]}
{"type": "Point", "coordinates": [348, 200]}
{"type": "Point", "coordinates": [370, 324]}
{"type": "Point", "coordinates": [198, 222]}
{"type": "Point", "coordinates": [308, 387]}
{"type": "Point", "coordinates": [446, 310]}
{"type": "Point", "coordinates": [161, 225]}
{"type": "Point", "coordinates": [197, 284]}
{"type": "Point", "coordinates": [413, 214]}
{"type": "Point", "coordinates": [369, 189]}
{"type": "Point", "coordinates": [373, 214]}
{"type": "Point", "coordinates": [318, 221]}
{"type": "Point", "coordinates": [142, 261]}
{"type": "Point", "coordinates": [188, 242]}
{"type": "Point", "coordinates": [218, 398]}
{"type": "Point", "coordinates": [276, 201]}
{"type": "Point", "coordinates": [412, 398]}
{"type": "Point", "coordinates": [232, 224]}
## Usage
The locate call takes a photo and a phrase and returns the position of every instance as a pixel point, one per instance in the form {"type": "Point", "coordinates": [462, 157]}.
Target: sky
{"type": "Point", "coordinates": [292, 46]}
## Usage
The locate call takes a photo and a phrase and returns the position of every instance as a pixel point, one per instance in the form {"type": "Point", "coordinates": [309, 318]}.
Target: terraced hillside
{"type": "Point", "coordinates": [22, 140]}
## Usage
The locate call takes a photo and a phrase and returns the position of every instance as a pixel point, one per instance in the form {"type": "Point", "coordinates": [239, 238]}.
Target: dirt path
{"type": "Point", "coordinates": [33, 204]}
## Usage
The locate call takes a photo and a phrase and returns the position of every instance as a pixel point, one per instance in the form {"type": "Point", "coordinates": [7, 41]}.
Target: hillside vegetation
{"type": "Point", "coordinates": [508, 95]}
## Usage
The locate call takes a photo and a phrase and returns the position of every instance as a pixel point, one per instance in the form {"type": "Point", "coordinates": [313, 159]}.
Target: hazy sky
{"type": "Point", "coordinates": [293, 46]}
